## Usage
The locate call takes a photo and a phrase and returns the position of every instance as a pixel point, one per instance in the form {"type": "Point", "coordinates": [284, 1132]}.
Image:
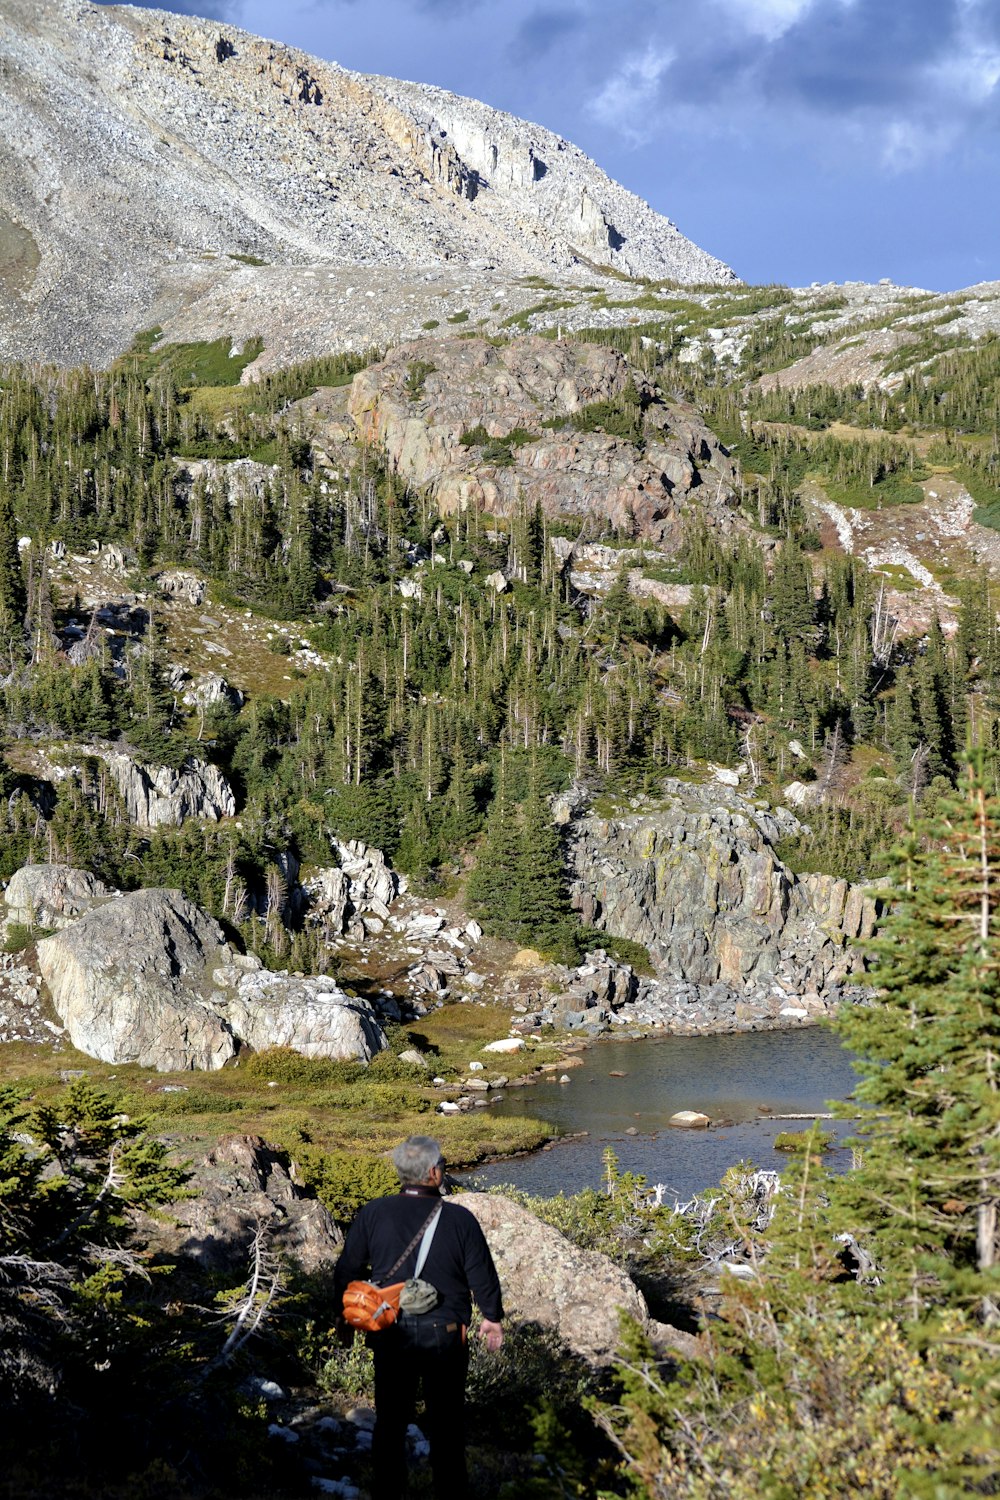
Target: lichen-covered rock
{"type": "Point", "coordinates": [548, 1280]}
{"type": "Point", "coordinates": [471, 384]}
{"type": "Point", "coordinates": [52, 895]}
{"type": "Point", "coordinates": [149, 978]}
{"type": "Point", "coordinates": [733, 934]}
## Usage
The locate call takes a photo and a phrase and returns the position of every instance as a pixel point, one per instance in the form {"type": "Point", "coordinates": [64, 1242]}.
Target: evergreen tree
{"type": "Point", "coordinates": [12, 593]}
{"type": "Point", "coordinates": [928, 1191]}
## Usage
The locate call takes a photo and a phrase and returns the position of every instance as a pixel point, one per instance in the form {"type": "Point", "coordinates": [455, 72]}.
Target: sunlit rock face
{"type": "Point", "coordinates": [149, 978]}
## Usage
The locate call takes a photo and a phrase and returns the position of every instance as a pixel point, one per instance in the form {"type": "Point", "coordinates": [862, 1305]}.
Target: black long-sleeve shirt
{"type": "Point", "coordinates": [459, 1263]}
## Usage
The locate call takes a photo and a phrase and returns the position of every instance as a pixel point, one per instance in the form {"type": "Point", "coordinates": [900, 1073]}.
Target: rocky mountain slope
{"type": "Point", "coordinates": [151, 161]}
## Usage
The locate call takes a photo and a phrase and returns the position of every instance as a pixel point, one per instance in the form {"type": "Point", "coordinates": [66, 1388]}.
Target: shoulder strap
{"type": "Point", "coordinates": [425, 1243]}
{"type": "Point", "coordinates": [421, 1232]}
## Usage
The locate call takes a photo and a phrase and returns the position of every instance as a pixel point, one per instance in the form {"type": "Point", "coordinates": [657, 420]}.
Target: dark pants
{"type": "Point", "coordinates": [419, 1352]}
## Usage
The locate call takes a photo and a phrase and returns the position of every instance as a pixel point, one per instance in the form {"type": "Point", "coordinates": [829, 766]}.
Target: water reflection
{"type": "Point", "coordinates": [729, 1078]}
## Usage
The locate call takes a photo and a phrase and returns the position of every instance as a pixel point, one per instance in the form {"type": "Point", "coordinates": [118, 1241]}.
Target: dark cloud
{"type": "Point", "coordinates": [540, 32]}
{"type": "Point", "coordinates": [871, 53]}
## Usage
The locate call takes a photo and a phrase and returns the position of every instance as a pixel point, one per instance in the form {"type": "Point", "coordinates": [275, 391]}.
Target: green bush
{"type": "Point", "coordinates": [283, 1065]}
{"type": "Point", "coordinates": [344, 1182]}
{"type": "Point", "coordinates": [19, 935]}
{"type": "Point", "coordinates": [801, 1141]}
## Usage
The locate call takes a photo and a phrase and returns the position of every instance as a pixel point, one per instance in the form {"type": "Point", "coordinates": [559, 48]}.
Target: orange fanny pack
{"type": "Point", "coordinates": [371, 1308]}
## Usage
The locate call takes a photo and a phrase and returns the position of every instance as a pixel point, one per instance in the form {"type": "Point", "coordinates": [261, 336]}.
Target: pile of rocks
{"type": "Point", "coordinates": [22, 1010]}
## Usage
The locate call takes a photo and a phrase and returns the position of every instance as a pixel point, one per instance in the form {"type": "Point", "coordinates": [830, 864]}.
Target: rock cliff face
{"type": "Point", "coordinates": [149, 978]}
{"type": "Point", "coordinates": [158, 797]}
{"type": "Point", "coordinates": [729, 927]}
{"type": "Point", "coordinates": [420, 402]}
{"type": "Point", "coordinates": [146, 150]}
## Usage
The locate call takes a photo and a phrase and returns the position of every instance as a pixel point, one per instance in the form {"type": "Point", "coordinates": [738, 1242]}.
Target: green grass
{"type": "Point", "coordinates": [205, 363]}
{"type": "Point", "coordinates": [320, 1103]}
{"type": "Point", "coordinates": [896, 490]}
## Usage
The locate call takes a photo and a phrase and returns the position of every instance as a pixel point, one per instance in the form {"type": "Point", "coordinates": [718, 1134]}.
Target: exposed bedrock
{"type": "Point", "coordinates": [419, 403]}
{"type": "Point", "coordinates": [149, 978]}
{"type": "Point", "coordinates": [697, 881]}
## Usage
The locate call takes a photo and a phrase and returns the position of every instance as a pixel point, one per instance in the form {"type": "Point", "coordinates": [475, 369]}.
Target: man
{"type": "Point", "coordinates": [429, 1348]}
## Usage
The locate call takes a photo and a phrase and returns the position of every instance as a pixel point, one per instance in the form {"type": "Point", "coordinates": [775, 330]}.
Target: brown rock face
{"type": "Point", "coordinates": [420, 401]}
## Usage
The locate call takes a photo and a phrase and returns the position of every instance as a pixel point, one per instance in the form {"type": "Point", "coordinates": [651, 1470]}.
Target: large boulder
{"type": "Point", "coordinates": [548, 1280]}
{"type": "Point", "coordinates": [243, 1183]}
{"type": "Point", "coordinates": [149, 978]}
{"type": "Point", "coordinates": [52, 895]}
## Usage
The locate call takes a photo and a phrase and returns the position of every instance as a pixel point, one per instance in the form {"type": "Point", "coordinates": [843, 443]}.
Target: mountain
{"type": "Point", "coordinates": [151, 163]}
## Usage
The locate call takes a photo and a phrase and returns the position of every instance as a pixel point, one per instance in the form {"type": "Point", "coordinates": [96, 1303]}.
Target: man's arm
{"type": "Point", "coordinates": [354, 1259]}
{"type": "Point", "coordinates": [484, 1284]}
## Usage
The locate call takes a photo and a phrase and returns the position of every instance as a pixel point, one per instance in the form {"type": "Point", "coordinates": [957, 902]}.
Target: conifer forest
{"type": "Point", "coordinates": [394, 693]}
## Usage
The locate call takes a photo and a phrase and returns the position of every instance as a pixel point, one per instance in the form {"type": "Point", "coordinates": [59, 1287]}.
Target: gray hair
{"type": "Point", "coordinates": [414, 1158]}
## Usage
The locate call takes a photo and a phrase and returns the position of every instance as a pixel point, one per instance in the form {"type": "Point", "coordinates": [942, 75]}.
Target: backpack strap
{"type": "Point", "coordinates": [425, 1243]}
{"type": "Point", "coordinates": [420, 1235]}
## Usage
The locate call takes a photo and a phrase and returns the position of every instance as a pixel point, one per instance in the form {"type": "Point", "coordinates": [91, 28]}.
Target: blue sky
{"type": "Point", "coordinates": [799, 140]}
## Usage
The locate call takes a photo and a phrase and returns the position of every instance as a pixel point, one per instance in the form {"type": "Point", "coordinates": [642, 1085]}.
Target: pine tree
{"type": "Point", "coordinates": [12, 593]}
{"type": "Point", "coordinates": [929, 1187]}
{"type": "Point", "coordinates": [491, 888]}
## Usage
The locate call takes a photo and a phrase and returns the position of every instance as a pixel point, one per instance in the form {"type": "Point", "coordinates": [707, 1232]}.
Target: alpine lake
{"type": "Point", "coordinates": [621, 1094]}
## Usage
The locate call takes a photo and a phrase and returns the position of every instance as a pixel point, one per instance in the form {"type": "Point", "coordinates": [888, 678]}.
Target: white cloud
{"type": "Point", "coordinates": [627, 101]}
{"type": "Point", "coordinates": [908, 145]}
{"type": "Point", "coordinates": [769, 19]}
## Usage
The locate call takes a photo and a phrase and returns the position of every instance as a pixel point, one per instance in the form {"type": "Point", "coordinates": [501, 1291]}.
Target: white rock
{"type": "Point", "coordinates": [506, 1044]}
{"type": "Point", "coordinates": [476, 1067]}
{"type": "Point", "coordinates": [725, 777]}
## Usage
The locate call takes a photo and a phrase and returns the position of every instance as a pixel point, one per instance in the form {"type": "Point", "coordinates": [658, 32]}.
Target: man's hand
{"type": "Point", "coordinates": [491, 1334]}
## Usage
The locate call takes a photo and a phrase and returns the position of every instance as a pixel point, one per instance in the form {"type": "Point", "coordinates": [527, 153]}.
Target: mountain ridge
{"type": "Point", "coordinates": [150, 154]}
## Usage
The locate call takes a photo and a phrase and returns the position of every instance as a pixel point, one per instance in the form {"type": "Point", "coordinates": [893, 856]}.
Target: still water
{"type": "Point", "coordinates": [728, 1078]}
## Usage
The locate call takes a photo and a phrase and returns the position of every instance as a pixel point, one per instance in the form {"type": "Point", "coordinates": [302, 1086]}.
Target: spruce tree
{"type": "Point", "coordinates": [928, 1191]}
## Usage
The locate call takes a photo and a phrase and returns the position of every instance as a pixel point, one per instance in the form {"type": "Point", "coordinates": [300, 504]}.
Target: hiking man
{"type": "Point", "coordinates": [427, 1348]}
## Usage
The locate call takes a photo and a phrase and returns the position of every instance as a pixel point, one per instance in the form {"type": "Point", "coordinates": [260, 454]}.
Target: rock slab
{"type": "Point", "coordinates": [148, 978]}
{"type": "Point", "coordinates": [548, 1280]}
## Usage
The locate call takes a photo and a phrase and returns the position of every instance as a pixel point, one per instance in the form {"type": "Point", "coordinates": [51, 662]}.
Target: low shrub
{"type": "Point", "coordinates": [283, 1065]}
{"type": "Point", "coordinates": [345, 1182]}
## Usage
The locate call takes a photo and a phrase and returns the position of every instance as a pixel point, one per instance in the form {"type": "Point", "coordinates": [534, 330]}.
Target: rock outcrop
{"type": "Point", "coordinates": [149, 978]}
{"type": "Point", "coordinates": [734, 935]}
{"type": "Point", "coordinates": [422, 400]}
{"type": "Point", "coordinates": [240, 1184]}
{"type": "Point", "coordinates": [354, 896]}
{"type": "Point", "coordinates": [548, 1280]}
{"type": "Point", "coordinates": [52, 895]}
{"type": "Point", "coordinates": [160, 797]}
